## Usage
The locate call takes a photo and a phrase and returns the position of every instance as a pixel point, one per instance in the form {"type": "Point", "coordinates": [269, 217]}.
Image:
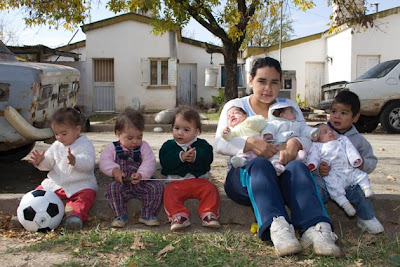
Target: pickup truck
{"type": "Point", "coordinates": [30, 92]}
{"type": "Point", "coordinates": [379, 93]}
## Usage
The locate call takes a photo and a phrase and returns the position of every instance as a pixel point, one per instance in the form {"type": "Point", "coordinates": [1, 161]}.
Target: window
{"type": "Point", "coordinates": [240, 72]}
{"type": "Point", "coordinates": [158, 72]}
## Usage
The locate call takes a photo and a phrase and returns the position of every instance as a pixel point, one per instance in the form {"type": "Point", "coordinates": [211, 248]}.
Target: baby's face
{"type": "Point", "coordinates": [235, 116]}
{"type": "Point", "coordinates": [326, 133]}
{"type": "Point", "coordinates": [288, 113]}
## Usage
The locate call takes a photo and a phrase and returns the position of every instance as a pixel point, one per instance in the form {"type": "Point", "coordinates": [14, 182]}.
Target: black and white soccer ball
{"type": "Point", "coordinates": [40, 211]}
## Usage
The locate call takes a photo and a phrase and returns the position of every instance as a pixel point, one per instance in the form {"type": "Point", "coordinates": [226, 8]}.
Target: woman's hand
{"type": "Point", "coordinates": [290, 152]}
{"type": "Point", "coordinates": [260, 147]}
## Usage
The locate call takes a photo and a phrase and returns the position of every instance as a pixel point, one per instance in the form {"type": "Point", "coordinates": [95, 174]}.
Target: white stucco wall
{"type": "Point", "coordinates": [192, 54]}
{"type": "Point", "coordinates": [127, 42]}
{"type": "Point", "coordinates": [339, 47]}
{"type": "Point", "coordinates": [295, 58]}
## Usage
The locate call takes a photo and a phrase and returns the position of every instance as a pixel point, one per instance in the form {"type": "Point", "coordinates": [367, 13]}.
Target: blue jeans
{"type": "Point", "coordinates": [257, 184]}
{"type": "Point", "coordinates": [354, 194]}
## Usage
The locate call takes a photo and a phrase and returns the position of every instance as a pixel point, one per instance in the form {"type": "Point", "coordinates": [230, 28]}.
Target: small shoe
{"type": "Point", "coordinates": [152, 221]}
{"type": "Point", "coordinates": [118, 223]}
{"type": "Point", "coordinates": [349, 209]}
{"type": "Point", "coordinates": [238, 162]}
{"type": "Point", "coordinates": [283, 237]}
{"type": "Point", "coordinates": [210, 221]}
{"type": "Point", "coordinates": [372, 226]}
{"type": "Point", "coordinates": [73, 223]}
{"type": "Point", "coordinates": [368, 192]}
{"type": "Point", "coordinates": [323, 240]}
{"type": "Point", "coordinates": [15, 224]}
{"type": "Point", "coordinates": [179, 222]}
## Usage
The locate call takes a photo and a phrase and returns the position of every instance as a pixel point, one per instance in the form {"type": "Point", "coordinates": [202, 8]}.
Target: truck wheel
{"type": "Point", "coordinates": [16, 153]}
{"type": "Point", "coordinates": [390, 117]}
{"type": "Point", "coordinates": [366, 124]}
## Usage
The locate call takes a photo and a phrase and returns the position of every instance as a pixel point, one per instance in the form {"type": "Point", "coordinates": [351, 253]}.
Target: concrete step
{"type": "Point", "coordinates": [386, 208]}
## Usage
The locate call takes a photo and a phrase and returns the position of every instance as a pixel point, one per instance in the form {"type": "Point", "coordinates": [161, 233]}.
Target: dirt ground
{"type": "Point", "coordinates": [20, 177]}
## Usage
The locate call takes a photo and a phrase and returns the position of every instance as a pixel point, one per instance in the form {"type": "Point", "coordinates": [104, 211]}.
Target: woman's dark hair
{"type": "Point", "coordinates": [69, 116]}
{"type": "Point", "coordinates": [129, 118]}
{"type": "Point", "coordinates": [350, 99]}
{"type": "Point", "coordinates": [266, 62]}
{"type": "Point", "coordinates": [188, 114]}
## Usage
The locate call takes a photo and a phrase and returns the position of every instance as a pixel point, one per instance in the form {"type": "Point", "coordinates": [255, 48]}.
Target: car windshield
{"type": "Point", "coordinates": [379, 70]}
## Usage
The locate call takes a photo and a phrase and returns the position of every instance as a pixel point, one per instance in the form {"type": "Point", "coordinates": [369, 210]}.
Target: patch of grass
{"type": "Point", "coordinates": [212, 116]}
{"type": "Point", "coordinates": [221, 248]}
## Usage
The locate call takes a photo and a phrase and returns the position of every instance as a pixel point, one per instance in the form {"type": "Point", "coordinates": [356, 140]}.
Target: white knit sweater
{"type": "Point", "coordinates": [63, 175]}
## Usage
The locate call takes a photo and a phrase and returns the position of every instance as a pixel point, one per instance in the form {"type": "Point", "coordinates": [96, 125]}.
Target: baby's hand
{"type": "Point", "coordinates": [324, 169]}
{"type": "Point", "coordinates": [71, 158]}
{"type": "Point", "coordinates": [118, 175]}
{"type": "Point", "coordinates": [136, 177]}
{"type": "Point", "coordinates": [37, 157]}
{"type": "Point", "coordinates": [226, 130]}
{"type": "Point", "coordinates": [191, 154]}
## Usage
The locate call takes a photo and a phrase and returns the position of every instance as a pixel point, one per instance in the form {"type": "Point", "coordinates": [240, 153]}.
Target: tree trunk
{"type": "Point", "coordinates": [230, 58]}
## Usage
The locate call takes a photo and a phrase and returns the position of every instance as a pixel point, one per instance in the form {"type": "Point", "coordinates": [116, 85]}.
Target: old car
{"type": "Point", "coordinates": [379, 93]}
{"type": "Point", "coordinates": [30, 92]}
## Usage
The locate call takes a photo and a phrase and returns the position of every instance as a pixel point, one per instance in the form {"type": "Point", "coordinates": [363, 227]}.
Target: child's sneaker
{"type": "Point", "coordinates": [73, 223]}
{"type": "Point", "coordinates": [118, 223]}
{"type": "Point", "coordinates": [349, 209]}
{"type": "Point", "coordinates": [372, 226]}
{"type": "Point", "coordinates": [238, 162]}
{"type": "Point", "coordinates": [152, 221]}
{"type": "Point", "coordinates": [179, 222]}
{"type": "Point", "coordinates": [211, 221]}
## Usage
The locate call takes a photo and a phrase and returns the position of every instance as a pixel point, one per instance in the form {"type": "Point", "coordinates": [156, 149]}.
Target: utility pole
{"type": "Point", "coordinates": [280, 33]}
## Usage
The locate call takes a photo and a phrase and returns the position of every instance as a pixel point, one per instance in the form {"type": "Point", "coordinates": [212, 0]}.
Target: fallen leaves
{"type": "Point", "coordinates": [167, 248]}
{"type": "Point", "coordinates": [137, 244]}
{"type": "Point", "coordinates": [391, 178]}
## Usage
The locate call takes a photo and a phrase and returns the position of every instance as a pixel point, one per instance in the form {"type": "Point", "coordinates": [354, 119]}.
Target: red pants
{"type": "Point", "coordinates": [177, 192]}
{"type": "Point", "coordinates": [80, 202]}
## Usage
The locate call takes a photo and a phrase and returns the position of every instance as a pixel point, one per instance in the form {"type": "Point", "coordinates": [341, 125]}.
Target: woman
{"type": "Point", "coordinates": [257, 184]}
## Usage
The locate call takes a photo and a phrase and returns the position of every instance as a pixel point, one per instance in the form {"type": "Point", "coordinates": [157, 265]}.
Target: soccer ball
{"type": "Point", "coordinates": [40, 211]}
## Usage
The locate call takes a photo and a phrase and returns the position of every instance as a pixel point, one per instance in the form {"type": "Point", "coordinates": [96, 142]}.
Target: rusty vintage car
{"type": "Point", "coordinates": [29, 94]}
{"type": "Point", "coordinates": [379, 93]}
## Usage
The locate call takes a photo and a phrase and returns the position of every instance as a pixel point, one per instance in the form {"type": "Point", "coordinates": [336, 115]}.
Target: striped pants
{"type": "Point", "coordinates": [149, 192]}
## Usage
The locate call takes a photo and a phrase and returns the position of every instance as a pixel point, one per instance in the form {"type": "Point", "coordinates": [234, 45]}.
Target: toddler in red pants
{"type": "Point", "coordinates": [186, 160]}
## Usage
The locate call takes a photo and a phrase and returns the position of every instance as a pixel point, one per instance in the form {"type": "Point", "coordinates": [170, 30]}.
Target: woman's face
{"type": "Point", "coordinates": [266, 84]}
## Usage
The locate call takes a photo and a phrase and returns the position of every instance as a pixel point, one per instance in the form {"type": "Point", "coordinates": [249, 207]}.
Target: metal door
{"type": "Point", "coordinates": [187, 85]}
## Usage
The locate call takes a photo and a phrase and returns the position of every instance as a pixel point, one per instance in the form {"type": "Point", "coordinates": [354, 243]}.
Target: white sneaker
{"type": "Point", "coordinates": [238, 162]}
{"type": "Point", "coordinates": [372, 226]}
{"type": "Point", "coordinates": [283, 237]}
{"type": "Point", "coordinates": [323, 240]}
{"type": "Point", "coordinates": [349, 209]}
